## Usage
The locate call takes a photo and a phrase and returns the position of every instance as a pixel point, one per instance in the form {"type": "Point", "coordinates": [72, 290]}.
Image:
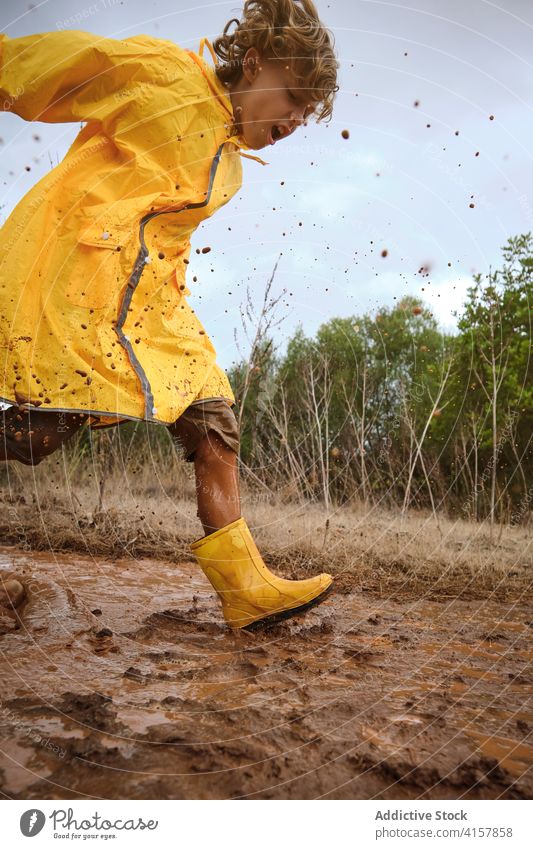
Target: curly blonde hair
{"type": "Point", "coordinates": [284, 29]}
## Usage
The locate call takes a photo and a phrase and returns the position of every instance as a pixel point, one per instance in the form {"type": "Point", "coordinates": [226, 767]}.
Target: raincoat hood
{"type": "Point", "coordinates": [221, 93]}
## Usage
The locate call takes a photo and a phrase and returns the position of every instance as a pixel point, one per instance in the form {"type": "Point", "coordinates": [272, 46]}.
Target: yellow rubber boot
{"type": "Point", "coordinates": [247, 589]}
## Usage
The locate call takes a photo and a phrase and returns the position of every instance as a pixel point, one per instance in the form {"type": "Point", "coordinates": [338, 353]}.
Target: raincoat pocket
{"type": "Point", "coordinates": [98, 267]}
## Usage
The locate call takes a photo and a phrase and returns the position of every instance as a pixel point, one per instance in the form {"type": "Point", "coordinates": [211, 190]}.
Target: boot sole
{"type": "Point", "coordinates": [273, 618]}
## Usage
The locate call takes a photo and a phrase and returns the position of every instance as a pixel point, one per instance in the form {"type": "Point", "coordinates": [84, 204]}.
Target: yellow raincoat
{"type": "Point", "coordinates": [94, 316]}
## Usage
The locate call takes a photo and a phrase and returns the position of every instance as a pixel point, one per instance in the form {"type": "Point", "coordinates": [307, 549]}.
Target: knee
{"type": "Point", "coordinates": [24, 452]}
{"type": "Point", "coordinates": [32, 459]}
{"type": "Point", "coordinates": [31, 438]}
{"type": "Point", "coordinates": [28, 450]}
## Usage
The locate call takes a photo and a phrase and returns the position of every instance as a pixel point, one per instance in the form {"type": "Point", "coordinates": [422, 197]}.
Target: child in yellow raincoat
{"type": "Point", "coordinates": [95, 325]}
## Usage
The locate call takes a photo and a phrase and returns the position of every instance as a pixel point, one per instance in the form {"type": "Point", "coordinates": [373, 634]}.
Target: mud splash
{"type": "Point", "coordinates": [120, 680]}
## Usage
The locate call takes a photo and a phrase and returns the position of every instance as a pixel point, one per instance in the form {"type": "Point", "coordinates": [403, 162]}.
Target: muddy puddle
{"type": "Point", "coordinates": [120, 680]}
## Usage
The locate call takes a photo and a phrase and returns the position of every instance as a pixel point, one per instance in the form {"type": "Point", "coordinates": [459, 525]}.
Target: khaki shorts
{"type": "Point", "coordinates": [200, 417]}
{"type": "Point", "coordinates": [30, 436]}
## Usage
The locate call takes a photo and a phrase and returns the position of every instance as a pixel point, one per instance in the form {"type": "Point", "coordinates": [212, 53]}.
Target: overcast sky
{"type": "Point", "coordinates": [395, 185]}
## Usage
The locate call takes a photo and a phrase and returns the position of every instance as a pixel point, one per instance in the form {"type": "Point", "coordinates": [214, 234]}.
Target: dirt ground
{"type": "Point", "coordinates": [120, 680]}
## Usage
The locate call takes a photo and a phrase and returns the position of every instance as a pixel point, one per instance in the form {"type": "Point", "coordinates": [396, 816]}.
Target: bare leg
{"type": "Point", "coordinates": [217, 483]}
{"type": "Point", "coordinates": [31, 435]}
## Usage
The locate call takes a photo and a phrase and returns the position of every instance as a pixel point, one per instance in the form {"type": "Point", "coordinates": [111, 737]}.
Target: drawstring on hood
{"type": "Point", "coordinates": [220, 92]}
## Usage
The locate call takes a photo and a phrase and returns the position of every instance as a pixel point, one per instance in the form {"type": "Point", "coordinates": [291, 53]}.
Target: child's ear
{"type": "Point", "coordinates": [251, 64]}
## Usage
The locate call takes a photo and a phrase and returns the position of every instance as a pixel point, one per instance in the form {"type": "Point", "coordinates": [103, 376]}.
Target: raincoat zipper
{"type": "Point", "coordinates": [133, 281]}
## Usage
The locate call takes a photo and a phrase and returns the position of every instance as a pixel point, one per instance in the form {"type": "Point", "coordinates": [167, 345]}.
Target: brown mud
{"type": "Point", "coordinates": [120, 680]}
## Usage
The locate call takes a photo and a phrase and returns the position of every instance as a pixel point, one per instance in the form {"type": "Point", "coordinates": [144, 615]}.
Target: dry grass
{"type": "Point", "coordinates": [152, 513]}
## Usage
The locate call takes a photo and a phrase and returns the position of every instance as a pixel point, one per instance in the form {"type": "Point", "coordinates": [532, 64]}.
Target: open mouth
{"type": "Point", "coordinates": [275, 134]}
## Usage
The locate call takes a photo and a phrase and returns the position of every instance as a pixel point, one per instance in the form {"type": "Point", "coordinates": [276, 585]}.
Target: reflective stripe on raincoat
{"type": "Point", "coordinates": [94, 315]}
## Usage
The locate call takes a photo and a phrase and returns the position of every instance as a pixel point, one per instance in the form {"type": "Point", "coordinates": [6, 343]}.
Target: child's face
{"type": "Point", "coordinates": [267, 102]}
